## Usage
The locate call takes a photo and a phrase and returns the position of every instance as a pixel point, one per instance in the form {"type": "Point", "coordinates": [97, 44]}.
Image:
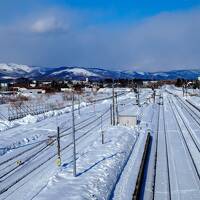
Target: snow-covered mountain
{"type": "Point", "coordinates": [15, 68]}
{"type": "Point", "coordinates": [13, 71]}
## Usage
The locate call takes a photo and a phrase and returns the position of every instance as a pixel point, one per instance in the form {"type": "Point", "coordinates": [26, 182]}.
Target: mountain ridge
{"type": "Point", "coordinates": [14, 71]}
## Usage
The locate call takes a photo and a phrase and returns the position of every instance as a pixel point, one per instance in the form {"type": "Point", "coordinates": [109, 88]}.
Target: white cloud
{"type": "Point", "coordinates": [161, 42]}
{"type": "Point", "coordinates": [48, 24]}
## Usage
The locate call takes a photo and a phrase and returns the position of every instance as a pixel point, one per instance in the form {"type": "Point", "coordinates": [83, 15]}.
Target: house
{"type": "Point", "coordinates": [3, 85]}
{"type": "Point", "coordinates": [31, 91]}
{"type": "Point", "coordinates": [66, 89]}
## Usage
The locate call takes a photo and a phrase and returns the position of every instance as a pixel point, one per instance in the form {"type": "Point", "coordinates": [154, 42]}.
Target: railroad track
{"type": "Point", "coordinates": [26, 159]}
{"type": "Point", "coordinates": [197, 108]}
{"type": "Point", "coordinates": [156, 153]}
{"type": "Point", "coordinates": [162, 160]}
{"type": "Point", "coordinates": [167, 152]}
{"type": "Point", "coordinates": [17, 156]}
{"type": "Point", "coordinates": [81, 136]}
{"type": "Point", "coordinates": [190, 111]}
{"type": "Point", "coordinates": [147, 187]}
{"type": "Point", "coordinates": [31, 111]}
{"type": "Point", "coordinates": [44, 159]}
{"type": "Point", "coordinates": [183, 135]}
{"type": "Point", "coordinates": [63, 132]}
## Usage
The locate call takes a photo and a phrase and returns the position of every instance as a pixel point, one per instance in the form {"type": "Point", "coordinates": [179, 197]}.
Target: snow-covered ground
{"type": "Point", "coordinates": [28, 143]}
{"type": "Point", "coordinates": [98, 168]}
{"type": "Point", "coordinates": [108, 171]}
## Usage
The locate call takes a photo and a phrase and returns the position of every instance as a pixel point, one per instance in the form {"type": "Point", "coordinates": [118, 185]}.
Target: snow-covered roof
{"type": "Point", "coordinates": [130, 112]}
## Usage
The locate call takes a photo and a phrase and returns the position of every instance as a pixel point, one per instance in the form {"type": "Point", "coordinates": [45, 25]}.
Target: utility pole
{"type": "Point", "coordinates": [58, 147]}
{"type": "Point", "coordinates": [154, 96]}
{"type": "Point", "coordinates": [102, 133]}
{"type": "Point", "coordinates": [186, 89]}
{"type": "Point", "coordinates": [116, 107]}
{"type": "Point", "coordinates": [138, 95]}
{"type": "Point", "coordinates": [94, 104]}
{"type": "Point", "coordinates": [73, 137]}
{"type": "Point", "coordinates": [111, 114]}
{"type": "Point", "coordinates": [79, 112]}
{"type": "Point", "coordinates": [113, 102]}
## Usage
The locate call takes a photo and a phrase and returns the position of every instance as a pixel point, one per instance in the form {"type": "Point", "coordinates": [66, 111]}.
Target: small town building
{"type": "Point", "coordinates": [3, 86]}
{"type": "Point", "coordinates": [31, 91]}
{"type": "Point", "coordinates": [129, 118]}
{"type": "Point", "coordinates": [66, 89]}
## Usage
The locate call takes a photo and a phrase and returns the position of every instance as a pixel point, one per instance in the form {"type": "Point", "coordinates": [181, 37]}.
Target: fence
{"type": "Point", "coordinates": [19, 110]}
{"type": "Point", "coordinates": [94, 125]}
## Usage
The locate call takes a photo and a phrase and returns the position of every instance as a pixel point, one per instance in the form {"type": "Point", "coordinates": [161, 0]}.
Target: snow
{"type": "Point", "coordinates": [35, 129]}
{"type": "Point", "coordinates": [6, 77]}
{"type": "Point", "coordinates": [80, 71]}
{"type": "Point", "coordinates": [77, 72]}
{"type": "Point", "coordinates": [161, 74]}
{"type": "Point", "coordinates": [29, 122]}
{"type": "Point", "coordinates": [109, 170]}
{"type": "Point", "coordinates": [141, 73]}
{"type": "Point", "coordinates": [182, 174]}
{"type": "Point", "coordinates": [5, 124]}
{"type": "Point", "coordinates": [98, 166]}
{"type": "Point", "coordinates": [127, 182]}
{"type": "Point", "coordinates": [12, 67]}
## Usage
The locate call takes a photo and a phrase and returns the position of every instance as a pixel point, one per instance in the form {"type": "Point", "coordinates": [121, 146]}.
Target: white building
{"type": "Point", "coordinates": [31, 91]}
{"type": "Point", "coordinates": [3, 85]}
{"type": "Point", "coordinates": [129, 118]}
{"type": "Point", "coordinates": [66, 89]}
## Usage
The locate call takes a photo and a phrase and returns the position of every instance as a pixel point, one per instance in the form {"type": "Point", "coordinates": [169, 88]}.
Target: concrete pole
{"type": "Point", "coordinates": [111, 114]}
{"type": "Point", "coordinates": [102, 133]}
{"type": "Point", "coordinates": [116, 108]}
{"type": "Point", "coordinates": [113, 102]}
{"type": "Point", "coordinates": [79, 106]}
{"type": "Point", "coordinates": [73, 137]}
{"type": "Point", "coordinates": [58, 147]}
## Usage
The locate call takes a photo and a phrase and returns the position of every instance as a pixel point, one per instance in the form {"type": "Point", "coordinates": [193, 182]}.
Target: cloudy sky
{"type": "Point", "coordinates": [144, 35]}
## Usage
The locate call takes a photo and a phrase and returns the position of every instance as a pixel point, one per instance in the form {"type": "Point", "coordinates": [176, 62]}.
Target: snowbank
{"type": "Point", "coordinates": [5, 125]}
{"type": "Point", "coordinates": [98, 167]}
{"type": "Point", "coordinates": [125, 187]}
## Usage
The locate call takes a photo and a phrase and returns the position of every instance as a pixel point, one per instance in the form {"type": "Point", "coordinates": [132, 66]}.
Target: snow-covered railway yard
{"type": "Point", "coordinates": [176, 151]}
{"type": "Point", "coordinates": [112, 170]}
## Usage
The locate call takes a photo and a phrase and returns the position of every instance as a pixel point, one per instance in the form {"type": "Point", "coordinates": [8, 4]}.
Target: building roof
{"type": "Point", "coordinates": [134, 111]}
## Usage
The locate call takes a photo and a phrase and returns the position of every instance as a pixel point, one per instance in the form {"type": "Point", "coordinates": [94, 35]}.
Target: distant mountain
{"type": "Point", "coordinates": [13, 71]}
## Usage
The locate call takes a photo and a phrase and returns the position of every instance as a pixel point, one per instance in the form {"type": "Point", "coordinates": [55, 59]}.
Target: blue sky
{"type": "Point", "coordinates": [115, 34]}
